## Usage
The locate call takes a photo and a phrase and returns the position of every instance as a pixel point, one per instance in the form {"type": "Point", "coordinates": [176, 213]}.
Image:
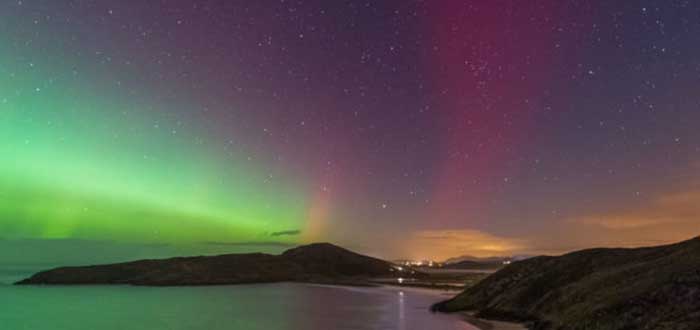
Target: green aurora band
{"type": "Point", "coordinates": [76, 162]}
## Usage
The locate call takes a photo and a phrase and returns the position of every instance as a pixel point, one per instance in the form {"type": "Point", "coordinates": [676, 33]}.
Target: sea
{"type": "Point", "coordinates": [281, 306]}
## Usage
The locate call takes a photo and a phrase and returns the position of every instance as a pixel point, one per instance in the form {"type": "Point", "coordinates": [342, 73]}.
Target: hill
{"type": "Point", "coordinates": [477, 265]}
{"type": "Point", "coordinates": [321, 262]}
{"type": "Point", "coordinates": [603, 289]}
{"type": "Point", "coordinates": [459, 259]}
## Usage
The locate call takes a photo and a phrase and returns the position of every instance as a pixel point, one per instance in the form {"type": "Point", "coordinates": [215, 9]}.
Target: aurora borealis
{"type": "Point", "coordinates": [398, 128]}
{"type": "Point", "coordinates": [90, 162]}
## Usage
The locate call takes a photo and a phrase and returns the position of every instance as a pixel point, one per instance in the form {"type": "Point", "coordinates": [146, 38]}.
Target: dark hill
{"type": "Point", "coordinates": [320, 262]}
{"type": "Point", "coordinates": [602, 289]}
{"type": "Point", "coordinates": [326, 259]}
{"type": "Point", "coordinates": [476, 265]}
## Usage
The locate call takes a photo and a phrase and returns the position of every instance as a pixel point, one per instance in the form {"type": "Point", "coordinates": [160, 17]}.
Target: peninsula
{"type": "Point", "coordinates": [316, 263]}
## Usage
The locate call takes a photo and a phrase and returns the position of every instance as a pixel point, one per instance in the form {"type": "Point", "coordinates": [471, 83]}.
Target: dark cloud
{"type": "Point", "coordinates": [274, 244]}
{"type": "Point", "coordinates": [286, 233]}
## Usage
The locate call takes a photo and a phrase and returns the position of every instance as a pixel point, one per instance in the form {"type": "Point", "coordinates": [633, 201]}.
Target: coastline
{"type": "Point", "coordinates": [468, 317]}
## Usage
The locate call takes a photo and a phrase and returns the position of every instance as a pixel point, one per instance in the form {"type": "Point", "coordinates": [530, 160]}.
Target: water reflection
{"type": "Point", "coordinates": [402, 311]}
{"type": "Point", "coordinates": [253, 307]}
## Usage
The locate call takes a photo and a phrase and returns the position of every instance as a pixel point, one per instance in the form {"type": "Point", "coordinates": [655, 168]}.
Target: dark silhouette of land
{"type": "Point", "coordinates": [476, 265]}
{"type": "Point", "coordinates": [317, 263]}
{"type": "Point", "coordinates": [602, 289]}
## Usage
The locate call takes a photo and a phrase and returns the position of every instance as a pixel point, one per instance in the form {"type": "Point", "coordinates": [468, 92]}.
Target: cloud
{"type": "Point", "coordinates": [286, 233]}
{"type": "Point", "coordinates": [666, 210]}
{"type": "Point", "coordinates": [663, 219]}
{"type": "Point", "coordinates": [443, 244]}
{"type": "Point", "coordinates": [244, 244]}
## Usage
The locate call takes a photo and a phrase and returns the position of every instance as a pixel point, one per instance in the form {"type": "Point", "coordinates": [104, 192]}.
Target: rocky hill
{"type": "Point", "coordinates": [602, 289]}
{"type": "Point", "coordinates": [321, 262]}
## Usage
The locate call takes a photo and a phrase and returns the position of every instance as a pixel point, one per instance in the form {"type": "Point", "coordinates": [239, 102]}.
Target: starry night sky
{"type": "Point", "coordinates": [423, 129]}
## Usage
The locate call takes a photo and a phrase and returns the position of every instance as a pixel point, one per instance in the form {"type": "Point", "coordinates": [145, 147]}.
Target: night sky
{"type": "Point", "coordinates": [421, 129]}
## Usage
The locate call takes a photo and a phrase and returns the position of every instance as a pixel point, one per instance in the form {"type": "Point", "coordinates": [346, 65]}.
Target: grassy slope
{"type": "Point", "coordinates": [647, 288]}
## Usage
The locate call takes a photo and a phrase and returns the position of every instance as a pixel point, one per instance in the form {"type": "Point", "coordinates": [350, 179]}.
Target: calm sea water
{"type": "Point", "coordinates": [266, 307]}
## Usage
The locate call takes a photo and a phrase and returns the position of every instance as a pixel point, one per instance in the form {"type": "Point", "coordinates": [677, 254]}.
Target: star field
{"type": "Point", "coordinates": [400, 128]}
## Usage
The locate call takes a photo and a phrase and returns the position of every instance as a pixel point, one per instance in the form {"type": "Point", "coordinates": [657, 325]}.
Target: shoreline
{"type": "Point", "coordinates": [438, 287]}
{"type": "Point", "coordinates": [467, 317]}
